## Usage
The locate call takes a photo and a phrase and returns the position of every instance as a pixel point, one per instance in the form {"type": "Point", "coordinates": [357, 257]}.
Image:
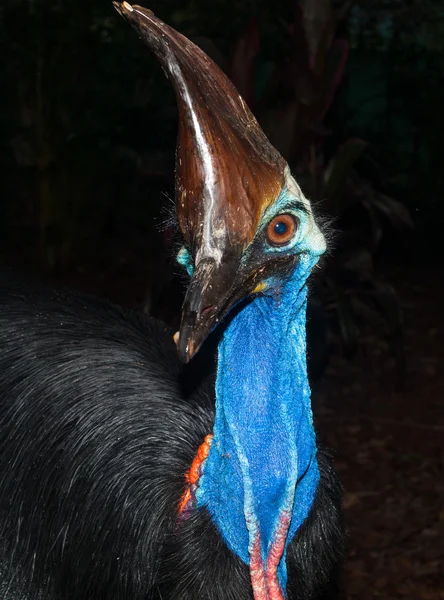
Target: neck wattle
{"type": "Point", "coordinates": [261, 474]}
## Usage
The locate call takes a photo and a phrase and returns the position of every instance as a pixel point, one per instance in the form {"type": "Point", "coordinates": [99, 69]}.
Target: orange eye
{"type": "Point", "coordinates": [281, 229]}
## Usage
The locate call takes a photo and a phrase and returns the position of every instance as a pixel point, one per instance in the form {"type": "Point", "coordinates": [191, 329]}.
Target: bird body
{"type": "Point", "coordinates": [122, 474]}
{"type": "Point", "coordinates": [98, 427]}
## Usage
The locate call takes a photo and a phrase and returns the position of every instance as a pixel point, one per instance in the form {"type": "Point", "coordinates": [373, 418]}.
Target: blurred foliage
{"type": "Point", "coordinates": [83, 111]}
{"type": "Point", "coordinates": [393, 95]}
{"type": "Point", "coordinates": [88, 122]}
{"type": "Point", "coordinates": [88, 125]}
{"type": "Point", "coordinates": [418, 25]}
{"type": "Point", "coordinates": [291, 99]}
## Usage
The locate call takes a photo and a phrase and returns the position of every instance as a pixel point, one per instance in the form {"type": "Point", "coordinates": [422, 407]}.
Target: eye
{"type": "Point", "coordinates": [281, 229]}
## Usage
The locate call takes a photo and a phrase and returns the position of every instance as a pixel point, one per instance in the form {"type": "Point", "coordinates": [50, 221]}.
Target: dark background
{"type": "Point", "coordinates": [352, 95]}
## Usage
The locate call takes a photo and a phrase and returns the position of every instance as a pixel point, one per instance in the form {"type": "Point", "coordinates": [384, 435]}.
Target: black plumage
{"type": "Point", "coordinates": [101, 497]}
{"type": "Point", "coordinates": [97, 428]}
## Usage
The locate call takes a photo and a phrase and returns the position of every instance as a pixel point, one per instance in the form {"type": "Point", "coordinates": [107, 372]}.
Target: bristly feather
{"type": "Point", "coordinates": [169, 214]}
{"type": "Point", "coordinates": [326, 225]}
{"type": "Point", "coordinates": [98, 424]}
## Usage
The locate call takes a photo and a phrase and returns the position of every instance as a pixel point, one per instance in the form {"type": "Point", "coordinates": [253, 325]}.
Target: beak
{"type": "Point", "coordinates": [227, 175]}
{"type": "Point", "coordinates": [211, 293]}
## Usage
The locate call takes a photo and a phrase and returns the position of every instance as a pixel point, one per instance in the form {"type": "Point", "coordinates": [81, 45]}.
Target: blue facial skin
{"type": "Point", "coordinates": [262, 462]}
{"type": "Point", "coordinates": [185, 259]}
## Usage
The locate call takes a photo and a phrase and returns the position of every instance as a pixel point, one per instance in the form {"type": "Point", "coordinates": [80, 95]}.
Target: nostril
{"type": "Point", "coordinates": [206, 310]}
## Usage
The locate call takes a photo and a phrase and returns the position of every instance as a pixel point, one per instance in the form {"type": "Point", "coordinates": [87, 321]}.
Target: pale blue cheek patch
{"type": "Point", "coordinates": [185, 260]}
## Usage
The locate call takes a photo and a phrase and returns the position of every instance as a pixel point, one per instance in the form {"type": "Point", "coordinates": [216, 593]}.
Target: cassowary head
{"type": "Point", "coordinates": [243, 216]}
{"type": "Point", "coordinates": [249, 232]}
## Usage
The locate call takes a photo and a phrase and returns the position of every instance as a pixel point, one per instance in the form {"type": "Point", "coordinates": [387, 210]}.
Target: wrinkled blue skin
{"type": "Point", "coordinates": [262, 459]}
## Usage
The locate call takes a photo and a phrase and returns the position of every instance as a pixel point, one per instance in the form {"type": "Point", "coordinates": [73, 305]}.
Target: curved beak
{"type": "Point", "coordinates": [211, 293]}
{"type": "Point", "coordinates": [227, 174]}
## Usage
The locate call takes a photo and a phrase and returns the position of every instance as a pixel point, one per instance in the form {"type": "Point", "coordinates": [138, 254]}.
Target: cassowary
{"type": "Point", "coordinates": [121, 477]}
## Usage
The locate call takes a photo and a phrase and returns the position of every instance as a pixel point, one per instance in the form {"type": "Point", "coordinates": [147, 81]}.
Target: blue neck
{"type": "Point", "coordinates": [262, 464]}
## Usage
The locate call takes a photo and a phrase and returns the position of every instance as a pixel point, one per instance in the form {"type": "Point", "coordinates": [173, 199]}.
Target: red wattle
{"type": "Point", "coordinates": [265, 582]}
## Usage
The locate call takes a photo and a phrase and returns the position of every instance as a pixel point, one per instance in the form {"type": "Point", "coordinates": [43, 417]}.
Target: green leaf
{"type": "Point", "coordinates": [339, 170]}
{"type": "Point", "coordinates": [280, 126]}
{"type": "Point", "coordinates": [359, 262]}
{"type": "Point", "coordinates": [331, 76]}
{"type": "Point", "coordinates": [316, 16]}
{"type": "Point", "coordinates": [346, 321]}
{"type": "Point", "coordinates": [375, 224]}
{"type": "Point", "coordinates": [265, 70]}
{"type": "Point", "coordinates": [387, 303]}
{"type": "Point", "coordinates": [243, 61]}
{"type": "Point", "coordinates": [395, 211]}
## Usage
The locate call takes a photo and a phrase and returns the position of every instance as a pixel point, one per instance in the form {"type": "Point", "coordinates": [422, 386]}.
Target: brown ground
{"type": "Point", "coordinates": [390, 451]}
{"type": "Point", "coordinates": [389, 444]}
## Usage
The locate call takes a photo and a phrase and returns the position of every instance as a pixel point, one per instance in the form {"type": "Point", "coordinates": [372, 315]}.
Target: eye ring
{"type": "Point", "coordinates": [281, 229]}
